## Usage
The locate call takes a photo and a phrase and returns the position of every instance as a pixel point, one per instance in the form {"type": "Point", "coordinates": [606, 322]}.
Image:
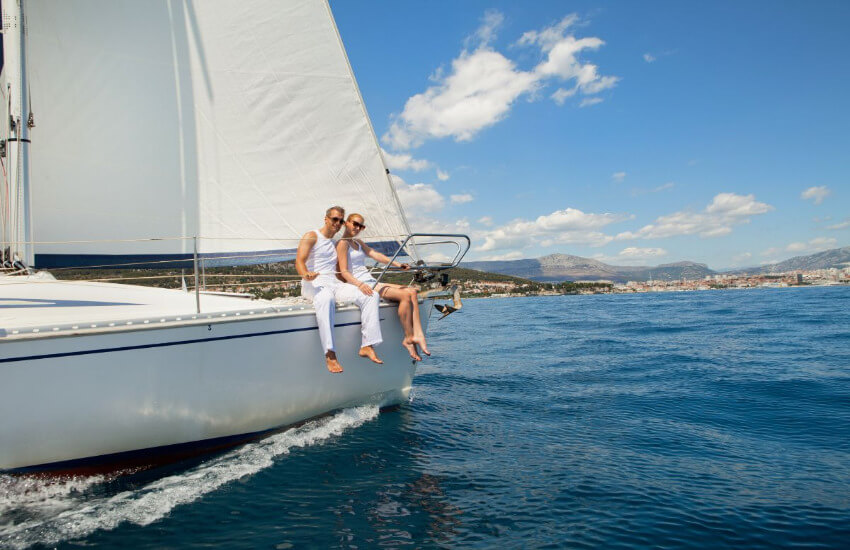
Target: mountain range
{"type": "Point", "coordinates": [837, 258]}
{"type": "Point", "coordinates": [565, 267]}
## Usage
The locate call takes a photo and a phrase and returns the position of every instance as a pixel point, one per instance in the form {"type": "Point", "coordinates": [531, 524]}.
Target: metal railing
{"type": "Point", "coordinates": [200, 263]}
{"type": "Point", "coordinates": [456, 239]}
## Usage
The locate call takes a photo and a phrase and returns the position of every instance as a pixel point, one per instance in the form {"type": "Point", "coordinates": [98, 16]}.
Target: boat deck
{"type": "Point", "coordinates": [34, 305]}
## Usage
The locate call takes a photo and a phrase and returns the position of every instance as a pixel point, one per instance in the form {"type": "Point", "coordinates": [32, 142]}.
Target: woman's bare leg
{"type": "Point", "coordinates": [418, 333]}
{"type": "Point", "coordinates": [390, 292]}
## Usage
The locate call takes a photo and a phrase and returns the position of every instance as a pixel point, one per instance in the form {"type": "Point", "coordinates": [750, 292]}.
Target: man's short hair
{"type": "Point", "coordinates": [339, 209]}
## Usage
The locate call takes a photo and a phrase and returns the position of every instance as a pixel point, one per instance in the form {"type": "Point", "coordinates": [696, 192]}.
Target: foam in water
{"type": "Point", "coordinates": [51, 511]}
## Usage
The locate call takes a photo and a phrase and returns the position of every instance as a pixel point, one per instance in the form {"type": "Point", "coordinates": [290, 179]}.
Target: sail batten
{"type": "Point", "coordinates": [234, 121]}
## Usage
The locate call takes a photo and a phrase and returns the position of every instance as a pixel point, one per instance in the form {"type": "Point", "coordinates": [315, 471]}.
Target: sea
{"type": "Point", "coordinates": [717, 419]}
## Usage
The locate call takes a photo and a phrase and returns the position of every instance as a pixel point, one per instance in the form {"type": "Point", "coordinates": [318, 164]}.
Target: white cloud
{"type": "Point", "coordinates": [478, 93]}
{"type": "Point", "coordinates": [562, 61]}
{"type": "Point", "coordinates": [822, 243]}
{"type": "Point", "coordinates": [817, 194]}
{"type": "Point", "coordinates": [635, 252]}
{"type": "Point", "coordinates": [569, 226]}
{"type": "Point", "coordinates": [420, 223]}
{"type": "Point", "coordinates": [818, 244]}
{"type": "Point", "coordinates": [843, 225]}
{"type": "Point", "coordinates": [648, 57]}
{"type": "Point", "coordinates": [588, 101]}
{"type": "Point", "coordinates": [618, 176]}
{"type": "Point", "coordinates": [486, 33]}
{"type": "Point", "coordinates": [442, 176]}
{"type": "Point", "coordinates": [404, 161]}
{"type": "Point", "coordinates": [460, 199]}
{"type": "Point", "coordinates": [515, 255]}
{"type": "Point", "coordinates": [561, 94]}
{"type": "Point", "coordinates": [717, 219]}
{"type": "Point", "coordinates": [418, 196]}
{"type": "Point", "coordinates": [486, 220]}
{"type": "Point", "coordinates": [549, 37]}
{"type": "Point", "coordinates": [482, 85]}
{"type": "Point", "coordinates": [632, 256]}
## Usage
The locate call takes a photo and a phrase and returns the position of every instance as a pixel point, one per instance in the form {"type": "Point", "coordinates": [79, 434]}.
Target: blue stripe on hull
{"type": "Point", "coordinates": [163, 344]}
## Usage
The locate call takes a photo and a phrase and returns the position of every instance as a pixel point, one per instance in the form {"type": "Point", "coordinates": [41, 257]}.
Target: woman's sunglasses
{"type": "Point", "coordinates": [358, 225]}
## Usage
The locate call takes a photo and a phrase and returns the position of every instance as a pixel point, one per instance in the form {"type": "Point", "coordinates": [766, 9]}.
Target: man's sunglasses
{"type": "Point", "coordinates": [334, 219]}
{"type": "Point", "coordinates": [358, 225]}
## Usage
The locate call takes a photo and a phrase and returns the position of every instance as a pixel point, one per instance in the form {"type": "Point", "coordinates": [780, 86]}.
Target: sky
{"type": "Point", "coordinates": [636, 133]}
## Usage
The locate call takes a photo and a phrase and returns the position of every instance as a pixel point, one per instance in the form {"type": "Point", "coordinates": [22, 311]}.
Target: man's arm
{"type": "Point", "coordinates": [304, 247]}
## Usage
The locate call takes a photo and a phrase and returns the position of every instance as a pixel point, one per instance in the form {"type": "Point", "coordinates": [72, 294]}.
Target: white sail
{"type": "Point", "coordinates": [6, 236]}
{"type": "Point", "coordinates": [238, 122]}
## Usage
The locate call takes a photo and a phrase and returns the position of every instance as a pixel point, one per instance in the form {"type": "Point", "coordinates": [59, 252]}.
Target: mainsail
{"type": "Point", "coordinates": [183, 119]}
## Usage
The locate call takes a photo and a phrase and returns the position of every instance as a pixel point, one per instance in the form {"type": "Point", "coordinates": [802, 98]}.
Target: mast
{"type": "Point", "coordinates": [18, 129]}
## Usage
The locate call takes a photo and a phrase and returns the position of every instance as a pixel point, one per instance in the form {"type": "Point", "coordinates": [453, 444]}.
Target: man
{"type": "Point", "coordinates": [316, 262]}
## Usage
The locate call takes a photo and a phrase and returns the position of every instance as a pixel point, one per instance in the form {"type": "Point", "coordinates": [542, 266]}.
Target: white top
{"type": "Point", "coordinates": [357, 262]}
{"type": "Point", "coordinates": [322, 258]}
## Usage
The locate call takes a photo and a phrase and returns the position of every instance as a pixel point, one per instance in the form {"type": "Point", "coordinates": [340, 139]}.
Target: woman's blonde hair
{"type": "Point", "coordinates": [348, 219]}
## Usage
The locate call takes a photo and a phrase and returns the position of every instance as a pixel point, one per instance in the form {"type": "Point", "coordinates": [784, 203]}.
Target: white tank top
{"type": "Point", "coordinates": [322, 258]}
{"type": "Point", "coordinates": [357, 262]}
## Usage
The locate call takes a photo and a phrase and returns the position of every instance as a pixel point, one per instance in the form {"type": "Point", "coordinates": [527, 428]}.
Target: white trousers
{"type": "Point", "coordinates": [326, 290]}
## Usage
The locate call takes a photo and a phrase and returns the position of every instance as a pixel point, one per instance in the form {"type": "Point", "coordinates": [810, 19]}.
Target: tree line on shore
{"type": "Point", "coordinates": [279, 279]}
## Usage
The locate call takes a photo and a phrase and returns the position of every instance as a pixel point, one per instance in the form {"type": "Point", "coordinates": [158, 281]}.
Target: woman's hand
{"type": "Point", "coordinates": [310, 275]}
{"type": "Point", "coordinates": [404, 267]}
{"type": "Point", "coordinates": [365, 289]}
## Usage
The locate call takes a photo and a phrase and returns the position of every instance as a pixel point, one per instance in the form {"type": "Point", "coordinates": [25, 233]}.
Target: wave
{"type": "Point", "coordinates": [44, 511]}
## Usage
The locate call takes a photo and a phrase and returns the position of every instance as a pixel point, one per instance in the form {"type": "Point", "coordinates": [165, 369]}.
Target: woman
{"type": "Point", "coordinates": [351, 254]}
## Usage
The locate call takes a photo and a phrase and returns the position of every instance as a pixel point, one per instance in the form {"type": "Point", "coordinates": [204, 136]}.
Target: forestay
{"type": "Point", "coordinates": [238, 122]}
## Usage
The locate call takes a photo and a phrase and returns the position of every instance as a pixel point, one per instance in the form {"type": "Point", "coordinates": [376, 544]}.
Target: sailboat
{"type": "Point", "coordinates": [187, 134]}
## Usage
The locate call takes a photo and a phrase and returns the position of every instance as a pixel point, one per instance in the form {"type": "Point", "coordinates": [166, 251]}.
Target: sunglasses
{"type": "Point", "coordinates": [358, 225]}
{"type": "Point", "coordinates": [334, 219]}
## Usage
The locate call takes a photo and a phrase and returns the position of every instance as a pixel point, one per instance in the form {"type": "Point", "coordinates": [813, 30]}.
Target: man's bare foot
{"type": "Point", "coordinates": [333, 364]}
{"type": "Point", "coordinates": [411, 349]}
{"type": "Point", "coordinates": [420, 341]}
{"type": "Point", "coordinates": [369, 353]}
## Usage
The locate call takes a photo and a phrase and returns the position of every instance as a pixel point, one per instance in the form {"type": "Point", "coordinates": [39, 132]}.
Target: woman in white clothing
{"type": "Point", "coordinates": [351, 254]}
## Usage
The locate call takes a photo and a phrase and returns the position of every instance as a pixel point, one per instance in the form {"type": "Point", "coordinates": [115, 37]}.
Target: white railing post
{"type": "Point", "coordinates": [197, 286]}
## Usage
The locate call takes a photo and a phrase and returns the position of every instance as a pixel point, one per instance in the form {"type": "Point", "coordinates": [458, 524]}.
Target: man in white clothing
{"type": "Point", "coordinates": [316, 262]}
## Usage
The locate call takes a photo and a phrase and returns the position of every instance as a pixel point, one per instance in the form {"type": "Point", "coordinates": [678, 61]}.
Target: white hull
{"type": "Point", "coordinates": [65, 398]}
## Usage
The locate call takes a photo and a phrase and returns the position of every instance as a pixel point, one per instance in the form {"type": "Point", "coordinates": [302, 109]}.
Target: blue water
{"type": "Point", "coordinates": [711, 419]}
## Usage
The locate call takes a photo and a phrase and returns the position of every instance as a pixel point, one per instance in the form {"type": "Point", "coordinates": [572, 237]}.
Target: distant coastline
{"type": "Point", "coordinates": [534, 295]}
{"type": "Point", "coordinates": [565, 267]}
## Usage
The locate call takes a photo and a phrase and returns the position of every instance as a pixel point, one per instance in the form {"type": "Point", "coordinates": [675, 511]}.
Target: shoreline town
{"type": "Point", "coordinates": [516, 287]}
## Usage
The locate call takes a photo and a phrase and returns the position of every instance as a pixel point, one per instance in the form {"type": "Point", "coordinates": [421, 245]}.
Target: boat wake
{"type": "Point", "coordinates": [44, 511]}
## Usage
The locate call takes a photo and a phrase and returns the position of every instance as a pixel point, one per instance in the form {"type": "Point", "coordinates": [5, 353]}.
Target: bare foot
{"type": "Point", "coordinates": [369, 352]}
{"type": "Point", "coordinates": [411, 349]}
{"type": "Point", "coordinates": [420, 341]}
{"type": "Point", "coordinates": [333, 364]}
